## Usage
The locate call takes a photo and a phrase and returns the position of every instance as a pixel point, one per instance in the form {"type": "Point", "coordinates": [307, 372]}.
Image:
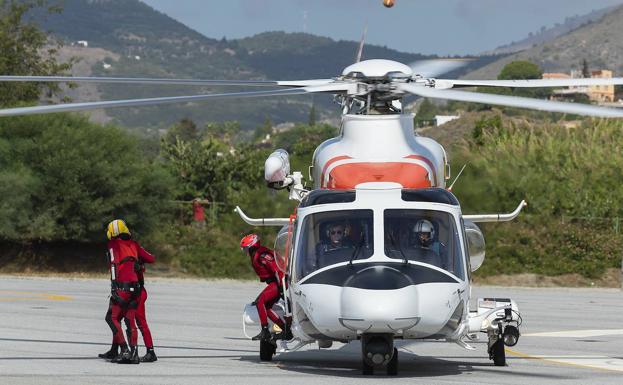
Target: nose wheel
{"type": "Point", "coordinates": [392, 366]}
{"type": "Point", "coordinates": [378, 350]}
{"type": "Point", "coordinates": [368, 369]}
{"type": "Point", "coordinates": [497, 352]}
{"type": "Point", "coordinates": [267, 350]}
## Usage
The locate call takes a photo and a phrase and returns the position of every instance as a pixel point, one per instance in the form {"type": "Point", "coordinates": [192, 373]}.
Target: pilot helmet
{"type": "Point", "coordinates": [424, 232]}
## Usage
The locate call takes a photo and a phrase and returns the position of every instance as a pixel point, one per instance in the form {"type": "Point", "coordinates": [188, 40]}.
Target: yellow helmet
{"type": "Point", "coordinates": [116, 228]}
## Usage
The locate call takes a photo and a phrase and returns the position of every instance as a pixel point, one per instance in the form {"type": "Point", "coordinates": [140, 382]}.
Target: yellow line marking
{"type": "Point", "coordinates": [32, 296]}
{"type": "Point", "coordinates": [555, 361]}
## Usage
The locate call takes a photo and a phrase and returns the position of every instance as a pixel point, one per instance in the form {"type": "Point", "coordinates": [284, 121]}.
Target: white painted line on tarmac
{"type": "Point", "coordinates": [577, 333]}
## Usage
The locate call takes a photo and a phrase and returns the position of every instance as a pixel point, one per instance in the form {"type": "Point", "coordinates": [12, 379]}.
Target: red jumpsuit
{"type": "Point", "coordinates": [125, 256]}
{"type": "Point", "coordinates": [141, 319]}
{"type": "Point", "coordinates": [265, 267]}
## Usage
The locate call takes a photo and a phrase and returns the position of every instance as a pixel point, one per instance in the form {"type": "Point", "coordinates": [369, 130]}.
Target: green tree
{"type": "Point", "coordinates": [64, 178]}
{"type": "Point", "coordinates": [586, 73]}
{"type": "Point", "coordinates": [225, 132]}
{"type": "Point", "coordinates": [25, 50]}
{"type": "Point", "coordinates": [213, 169]}
{"type": "Point", "coordinates": [520, 69]}
{"type": "Point", "coordinates": [186, 130]}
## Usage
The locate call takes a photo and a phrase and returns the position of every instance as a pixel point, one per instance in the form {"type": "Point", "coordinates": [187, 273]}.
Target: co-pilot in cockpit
{"type": "Point", "coordinates": [425, 236]}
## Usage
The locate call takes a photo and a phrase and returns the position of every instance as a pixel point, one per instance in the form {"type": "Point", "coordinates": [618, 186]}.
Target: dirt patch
{"type": "Point", "coordinates": [611, 279]}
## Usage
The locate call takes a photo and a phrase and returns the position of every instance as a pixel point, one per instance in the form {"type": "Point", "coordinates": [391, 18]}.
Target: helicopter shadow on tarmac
{"type": "Point", "coordinates": [346, 362]}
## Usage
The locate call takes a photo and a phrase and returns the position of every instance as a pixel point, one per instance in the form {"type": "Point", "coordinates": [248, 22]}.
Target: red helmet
{"type": "Point", "coordinates": [249, 241]}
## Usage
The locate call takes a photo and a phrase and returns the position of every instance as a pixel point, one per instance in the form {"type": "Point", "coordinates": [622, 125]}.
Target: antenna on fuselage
{"type": "Point", "coordinates": [457, 177]}
{"type": "Point", "coordinates": [361, 43]}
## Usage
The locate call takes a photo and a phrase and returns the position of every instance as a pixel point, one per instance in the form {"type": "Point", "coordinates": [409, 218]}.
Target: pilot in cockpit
{"type": "Point", "coordinates": [427, 247]}
{"type": "Point", "coordinates": [335, 247]}
{"type": "Point", "coordinates": [336, 238]}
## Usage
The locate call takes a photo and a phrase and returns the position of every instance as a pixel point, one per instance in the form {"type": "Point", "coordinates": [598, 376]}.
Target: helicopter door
{"type": "Point", "coordinates": [283, 247]}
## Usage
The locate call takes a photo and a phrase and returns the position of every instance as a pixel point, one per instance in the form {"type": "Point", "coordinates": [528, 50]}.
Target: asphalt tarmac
{"type": "Point", "coordinates": [51, 331]}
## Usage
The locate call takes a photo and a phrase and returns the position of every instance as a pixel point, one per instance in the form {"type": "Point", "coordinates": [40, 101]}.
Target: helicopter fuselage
{"type": "Point", "coordinates": [381, 280]}
{"type": "Point", "coordinates": [379, 148]}
{"type": "Point", "coordinates": [359, 265]}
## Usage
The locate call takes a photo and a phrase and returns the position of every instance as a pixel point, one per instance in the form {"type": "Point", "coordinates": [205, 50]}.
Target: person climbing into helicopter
{"type": "Point", "coordinates": [265, 266]}
{"type": "Point", "coordinates": [429, 250]}
{"type": "Point", "coordinates": [125, 256]}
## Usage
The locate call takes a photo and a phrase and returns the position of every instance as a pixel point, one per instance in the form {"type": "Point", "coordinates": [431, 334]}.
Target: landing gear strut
{"type": "Point", "coordinates": [496, 347]}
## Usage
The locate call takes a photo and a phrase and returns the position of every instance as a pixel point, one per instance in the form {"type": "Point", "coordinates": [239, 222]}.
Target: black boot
{"type": "Point", "coordinates": [150, 356]}
{"type": "Point", "coordinates": [264, 335]}
{"type": "Point", "coordinates": [112, 353]}
{"type": "Point", "coordinates": [130, 356]}
{"type": "Point", "coordinates": [124, 352]}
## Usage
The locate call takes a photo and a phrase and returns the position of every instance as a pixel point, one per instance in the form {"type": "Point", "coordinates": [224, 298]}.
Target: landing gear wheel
{"type": "Point", "coordinates": [497, 353]}
{"type": "Point", "coordinates": [267, 349]}
{"type": "Point", "coordinates": [392, 365]}
{"type": "Point", "coordinates": [368, 370]}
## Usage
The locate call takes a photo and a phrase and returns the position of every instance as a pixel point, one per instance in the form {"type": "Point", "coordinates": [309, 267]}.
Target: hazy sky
{"type": "Point", "coordinates": [425, 26]}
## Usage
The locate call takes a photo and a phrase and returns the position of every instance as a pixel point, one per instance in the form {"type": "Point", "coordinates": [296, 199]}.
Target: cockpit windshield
{"type": "Point", "coordinates": [332, 237]}
{"type": "Point", "coordinates": [426, 236]}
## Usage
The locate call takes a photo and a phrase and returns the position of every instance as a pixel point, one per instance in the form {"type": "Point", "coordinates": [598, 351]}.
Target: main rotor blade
{"type": "Point", "coordinates": [512, 101]}
{"type": "Point", "coordinates": [187, 82]}
{"type": "Point", "coordinates": [435, 67]}
{"type": "Point", "coordinates": [529, 83]}
{"type": "Point", "coordinates": [333, 88]}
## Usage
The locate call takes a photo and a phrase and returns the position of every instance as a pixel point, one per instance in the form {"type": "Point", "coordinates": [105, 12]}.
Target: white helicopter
{"type": "Point", "coordinates": [383, 186]}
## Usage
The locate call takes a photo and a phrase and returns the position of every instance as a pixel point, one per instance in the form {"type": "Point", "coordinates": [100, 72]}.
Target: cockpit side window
{"type": "Point", "coordinates": [331, 237]}
{"type": "Point", "coordinates": [425, 236]}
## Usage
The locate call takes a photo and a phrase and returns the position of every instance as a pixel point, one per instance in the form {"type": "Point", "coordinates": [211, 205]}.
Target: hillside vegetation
{"type": "Point", "coordinates": [567, 175]}
{"type": "Point", "coordinates": [547, 34]}
{"type": "Point", "coordinates": [599, 42]}
{"type": "Point", "coordinates": [167, 48]}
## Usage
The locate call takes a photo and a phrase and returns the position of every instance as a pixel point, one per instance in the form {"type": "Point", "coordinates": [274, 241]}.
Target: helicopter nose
{"type": "Point", "coordinates": [379, 299]}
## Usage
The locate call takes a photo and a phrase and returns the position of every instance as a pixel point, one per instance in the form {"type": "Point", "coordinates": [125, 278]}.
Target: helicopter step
{"type": "Point", "coordinates": [499, 319]}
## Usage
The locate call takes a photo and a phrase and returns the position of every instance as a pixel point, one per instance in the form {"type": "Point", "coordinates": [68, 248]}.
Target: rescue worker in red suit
{"type": "Point", "coordinates": [124, 261]}
{"type": "Point", "coordinates": [141, 318]}
{"type": "Point", "coordinates": [265, 266]}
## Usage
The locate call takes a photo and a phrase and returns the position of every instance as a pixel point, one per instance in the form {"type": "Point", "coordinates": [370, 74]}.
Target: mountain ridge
{"type": "Point", "coordinates": [599, 42]}
{"type": "Point", "coordinates": [148, 43]}
{"type": "Point", "coordinates": [547, 34]}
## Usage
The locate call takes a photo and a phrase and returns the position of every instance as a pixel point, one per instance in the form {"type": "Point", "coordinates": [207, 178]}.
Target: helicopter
{"type": "Point", "coordinates": [379, 184]}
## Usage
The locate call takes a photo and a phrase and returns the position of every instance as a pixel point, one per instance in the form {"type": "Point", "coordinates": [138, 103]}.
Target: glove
{"type": "Point", "coordinates": [115, 297]}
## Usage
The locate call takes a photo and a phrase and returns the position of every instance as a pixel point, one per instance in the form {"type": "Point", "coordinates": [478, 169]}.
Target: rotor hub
{"type": "Point", "coordinates": [378, 69]}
